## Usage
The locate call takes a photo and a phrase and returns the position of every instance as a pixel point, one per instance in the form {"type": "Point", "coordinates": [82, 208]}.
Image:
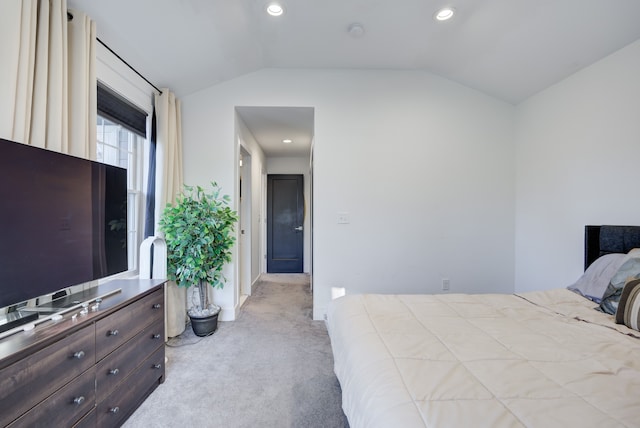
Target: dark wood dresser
{"type": "Point", "coordinates": [91, 370]}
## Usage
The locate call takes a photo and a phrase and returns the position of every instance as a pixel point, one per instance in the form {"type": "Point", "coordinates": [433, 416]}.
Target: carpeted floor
{"type": "Point", "coordinates": [272, 367]}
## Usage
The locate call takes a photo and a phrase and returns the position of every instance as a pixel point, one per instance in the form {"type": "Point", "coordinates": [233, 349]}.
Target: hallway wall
{"type": "Point", "coordinates": [424, 167]}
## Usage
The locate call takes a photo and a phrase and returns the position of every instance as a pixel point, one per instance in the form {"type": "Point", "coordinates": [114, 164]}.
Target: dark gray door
{"type": "Point", "coordinates": [285, 216]}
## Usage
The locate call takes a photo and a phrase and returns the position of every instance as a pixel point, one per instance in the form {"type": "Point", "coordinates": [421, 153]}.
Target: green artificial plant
{"type": "Point", "coordinates": [199, 232]}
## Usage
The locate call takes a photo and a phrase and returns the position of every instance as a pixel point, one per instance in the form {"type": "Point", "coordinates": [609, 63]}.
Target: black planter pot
{"type": "Point", "coordinates": [204, 326]}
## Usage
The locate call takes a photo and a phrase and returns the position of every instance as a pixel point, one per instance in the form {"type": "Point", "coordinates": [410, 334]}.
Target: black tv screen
{"type": "Point", "coordinates": [63, 221]}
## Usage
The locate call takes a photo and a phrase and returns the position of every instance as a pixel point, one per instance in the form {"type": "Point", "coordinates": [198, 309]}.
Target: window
{"type": "Point", "coordinates": [120, 147]}
{"type": "Point", "coordinates": [121, 133]}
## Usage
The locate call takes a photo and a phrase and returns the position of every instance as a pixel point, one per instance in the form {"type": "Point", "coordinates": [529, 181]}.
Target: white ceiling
{"type": "Point", "coordinates": [509, 49]}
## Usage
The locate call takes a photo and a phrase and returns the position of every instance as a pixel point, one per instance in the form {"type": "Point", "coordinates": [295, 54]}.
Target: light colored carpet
{"type": "Point", "coordinates": [272, 367]}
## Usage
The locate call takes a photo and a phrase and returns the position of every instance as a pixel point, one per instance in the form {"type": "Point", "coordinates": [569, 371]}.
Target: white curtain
{"type": "Point", "coordinates": [168, 186]}
{"type": "Point", "coordinates": [83, 87]}
{"type": "Point", "coordinates": [47, 77]}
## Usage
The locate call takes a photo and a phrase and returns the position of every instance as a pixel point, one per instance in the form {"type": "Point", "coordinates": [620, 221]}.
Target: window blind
{"type": "Point", "coordinates": [119, 110]}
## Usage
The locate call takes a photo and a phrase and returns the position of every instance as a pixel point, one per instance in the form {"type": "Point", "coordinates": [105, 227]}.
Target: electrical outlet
{"type": "Point", "coordinates": [445, 284]}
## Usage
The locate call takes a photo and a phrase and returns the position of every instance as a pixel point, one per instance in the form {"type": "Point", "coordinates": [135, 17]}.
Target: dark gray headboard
{"type": "Point", "coordinates": [601, 240]}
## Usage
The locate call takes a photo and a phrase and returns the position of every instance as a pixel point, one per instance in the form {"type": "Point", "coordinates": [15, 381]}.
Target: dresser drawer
{"type": "Point", "coordinates": [118, 365]}
{"type": "Point", "coordinates": [122, 325]}
{"type": "Point", "coordinates": [88, 421]}
{"type": "Point", "coordinates": [31, 380]}
{"type": "Point", "coordinates": [64, 408]}
{"type": "Point", "coordinates": [119, 405]}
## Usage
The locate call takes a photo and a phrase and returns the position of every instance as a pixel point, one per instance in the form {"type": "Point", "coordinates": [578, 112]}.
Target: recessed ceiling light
{"type": "Point", "coordinates": [274, 9]}
{"type": "Point", "coordinates": [444, 14]}
{"type": "Point", "coordinates": [287, 141]}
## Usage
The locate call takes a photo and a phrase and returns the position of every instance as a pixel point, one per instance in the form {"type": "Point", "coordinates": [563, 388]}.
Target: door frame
{"type": "Point", "coordinates": [245, 233]}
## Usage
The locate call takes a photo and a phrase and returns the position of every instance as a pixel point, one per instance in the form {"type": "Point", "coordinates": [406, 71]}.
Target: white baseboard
{"type": "Point", "coordinates": [228, 314]}
{"type": "Point", "coordinates": [254, 284]}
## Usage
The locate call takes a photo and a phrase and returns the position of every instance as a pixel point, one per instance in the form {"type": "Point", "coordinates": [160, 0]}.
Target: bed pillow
{"type": "Point", "coordinates": [628, 312]}
{"type": "Point", "coordinates": [629, 269]}
{"type": "Point", "coordinates": [594, 281]}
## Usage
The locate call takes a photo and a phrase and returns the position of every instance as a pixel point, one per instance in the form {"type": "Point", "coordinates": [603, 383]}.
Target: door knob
{"type": "Point", "coordinates": [298, 229]}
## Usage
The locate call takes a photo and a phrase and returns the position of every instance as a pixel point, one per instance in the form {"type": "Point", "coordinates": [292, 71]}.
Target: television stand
{"type": "Point", "coordinates": [41, 314]}
{"type": "Point", "coordinates": [16, 319]}
{"type": "Point", "coordinates": [71, 301]}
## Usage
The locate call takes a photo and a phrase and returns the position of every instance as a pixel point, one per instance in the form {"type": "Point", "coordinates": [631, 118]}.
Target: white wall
{"type": "Point", "coordinates": [424, 167]}
{"type": "Point", "coordinates": [577, 152]}
{"type": "Point", "coordinates": [297, 165]}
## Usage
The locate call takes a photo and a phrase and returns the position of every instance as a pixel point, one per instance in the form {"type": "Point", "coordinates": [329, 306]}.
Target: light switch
{"type": "Point", "coordinates": [343, 218]}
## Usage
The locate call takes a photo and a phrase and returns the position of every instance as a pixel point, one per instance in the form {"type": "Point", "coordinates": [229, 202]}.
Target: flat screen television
{"type": "Point", "coordinates": [63, 221]}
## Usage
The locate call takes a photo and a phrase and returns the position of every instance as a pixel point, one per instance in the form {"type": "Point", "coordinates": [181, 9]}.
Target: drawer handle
{"type": "Point", "coordinates": [113, 333]}
{"type": "Point", "coordinates": [157, 306]}
{"type": "Point", "coordinates": [114, 371]}
{"type": "Point", "coordinates": [79, 355]}
{"type": "Point", "coordinates": [156, 336]}
{"type": "Point", "coordinates": [114, 409]}
{"type": "Point", "coordinates": [78, 400]}
{"type": "Point", "coordinates": [157, 366]}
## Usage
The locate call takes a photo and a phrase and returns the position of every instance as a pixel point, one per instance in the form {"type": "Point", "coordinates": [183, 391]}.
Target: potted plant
{"type": "Point", "coordinates": [199, 232]}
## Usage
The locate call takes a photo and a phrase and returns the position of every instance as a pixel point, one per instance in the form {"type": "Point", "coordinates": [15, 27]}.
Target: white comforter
{"type": "Point", "coordinates": [543, 359]}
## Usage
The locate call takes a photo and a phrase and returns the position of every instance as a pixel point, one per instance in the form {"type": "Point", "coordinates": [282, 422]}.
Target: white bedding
{"type": "Point", "coordinates": [542, 359]}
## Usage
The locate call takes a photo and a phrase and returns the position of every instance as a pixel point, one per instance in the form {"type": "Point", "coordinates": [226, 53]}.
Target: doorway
{"type": "Point", "coordinates": [285, 223]}
{"type": "Point", "coordinates": [278, 140]}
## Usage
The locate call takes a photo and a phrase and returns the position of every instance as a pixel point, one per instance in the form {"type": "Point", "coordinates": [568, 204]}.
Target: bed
{"type": "Point", "coordinates": [537, 359]}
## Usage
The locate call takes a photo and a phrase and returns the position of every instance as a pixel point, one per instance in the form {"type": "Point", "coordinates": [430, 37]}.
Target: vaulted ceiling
{"type": "Point", "coordinates": [508, 49]}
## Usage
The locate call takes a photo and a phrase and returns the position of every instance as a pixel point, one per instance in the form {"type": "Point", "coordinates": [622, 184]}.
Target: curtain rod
{"type": "Point", "coordinates": [70, 17]}
{"type": "Point", "coordinates": [129, 65]}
